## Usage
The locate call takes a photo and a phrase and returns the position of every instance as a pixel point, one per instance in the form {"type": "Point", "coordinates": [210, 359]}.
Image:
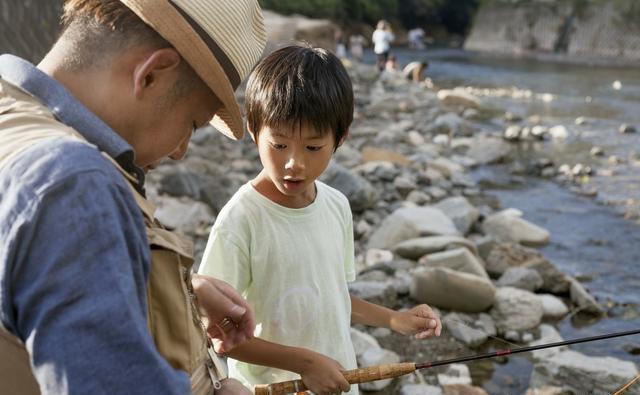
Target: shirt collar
{"type": "Point", "coordinates": [70, 111]}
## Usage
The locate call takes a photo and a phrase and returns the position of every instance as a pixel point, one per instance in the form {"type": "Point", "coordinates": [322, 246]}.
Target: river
{"type": "Point", "coordinates": [591, 238]}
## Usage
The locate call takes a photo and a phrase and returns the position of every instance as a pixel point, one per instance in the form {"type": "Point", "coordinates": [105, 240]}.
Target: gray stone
{"type": "Point", "coordinates": [411, 222]}
{"type": "Point", "coordinates": [584, 374]}
{"type": "Point", "coordinates": [452, 290]}
{"type": "Point", "coordinates": [459, 259]}
{"type": "Point", "coordinates": [461, 327]}
{"type": "Point", "coordinates": [376, 255]}
{"type": "Point", "coordinates": [521, 277]}
{"type": "Point", "coordinates": [377, 356]}
{"type": "Point", "coordinates": [416, 248]}
{"type": "Point", "coordinates": [420, 389]}
{"type": "Point", "coordinates": [358, 190]}
{"type": "Point", "coordinates": [508, 228]}
{"type": "Point", "coordinates": [553, 307]}
{"type": "Point", "coordinates": [456, 373]}
{"type": "Point", "coordinates": [182, 214]}
{"type": "Point", "coordinates": [585, 301]}
{"type": "Point", "coordinates": [362, 341]}
{"type": "Point", "coordinates": [516, 309]}
{"type": "Point", "coordinates": [461, 212]}
{"type": "Point", "coordinates": [374, 292]}
{"type": "Point", "coordinates": [486, 150]}
{"type": "Point", "coordinates": [459, 97]}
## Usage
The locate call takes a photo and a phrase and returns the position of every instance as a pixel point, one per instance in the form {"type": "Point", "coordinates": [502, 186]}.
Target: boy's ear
{"type": "Point", "coordinates": [343, 138]}
{"type": "Point", "coordinates": [253, 136]}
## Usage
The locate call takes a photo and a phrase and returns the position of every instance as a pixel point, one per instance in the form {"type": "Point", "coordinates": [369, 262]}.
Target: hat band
{"type": "Point", "coordinates": [220, 55]}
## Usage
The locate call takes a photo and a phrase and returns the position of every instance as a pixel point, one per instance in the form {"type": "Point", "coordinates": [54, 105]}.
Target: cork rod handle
{"type": "Point", "coordinates": [355, 376]}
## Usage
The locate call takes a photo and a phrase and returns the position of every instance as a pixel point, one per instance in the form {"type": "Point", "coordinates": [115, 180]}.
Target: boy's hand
{"type": "Point", "coordinates": [230, 319]}
{"type": "Point", "coordinates": [323, 375]}
{"type": "Point", "coordinates": [420, 321]}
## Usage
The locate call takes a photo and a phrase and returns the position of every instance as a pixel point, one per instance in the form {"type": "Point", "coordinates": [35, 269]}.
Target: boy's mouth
{"type": "Point", "coordinates": [292, 183]}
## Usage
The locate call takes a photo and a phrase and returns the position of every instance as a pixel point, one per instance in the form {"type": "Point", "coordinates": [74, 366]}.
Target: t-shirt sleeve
{"type": "Point", "coordinates": [226, 257]}
{"type": "Point", "coordinates": [78, 291]}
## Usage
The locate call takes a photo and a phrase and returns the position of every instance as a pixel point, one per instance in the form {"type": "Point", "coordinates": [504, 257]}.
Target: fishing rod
{"type": "Point", "coordinates": [380, 372]}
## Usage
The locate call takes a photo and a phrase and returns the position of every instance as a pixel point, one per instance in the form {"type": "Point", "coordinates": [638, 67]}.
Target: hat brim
{"type": "Point", "coordinates": [172, 26]}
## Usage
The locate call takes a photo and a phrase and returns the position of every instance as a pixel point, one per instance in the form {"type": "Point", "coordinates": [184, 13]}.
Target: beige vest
{"type": "Point", "coordinates": [172, 318]}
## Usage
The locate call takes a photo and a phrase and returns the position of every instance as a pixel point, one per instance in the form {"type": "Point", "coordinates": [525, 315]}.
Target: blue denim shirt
{"type": "Point", "coordinates": [74, 257]}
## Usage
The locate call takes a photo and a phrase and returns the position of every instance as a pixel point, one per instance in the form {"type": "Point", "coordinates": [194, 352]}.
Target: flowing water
{"type": "Point", "coordinates": [591, 240]}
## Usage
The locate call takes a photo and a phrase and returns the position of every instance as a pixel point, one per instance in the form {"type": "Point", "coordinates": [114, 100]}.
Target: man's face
{"type": "Point", "coordinates": [171, 123]}
{"type": "Point", "coordinates": [292, 161]}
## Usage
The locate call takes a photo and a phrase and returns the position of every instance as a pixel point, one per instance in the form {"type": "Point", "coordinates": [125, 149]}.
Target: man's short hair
{"type": "Point", "coordinates": [299, 84]}
{"type": "Point", "coordinates": [95, 30]}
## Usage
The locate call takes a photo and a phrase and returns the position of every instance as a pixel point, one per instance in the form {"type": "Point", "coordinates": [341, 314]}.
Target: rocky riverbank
{"type": "Point", "coordinates": [425, 232]}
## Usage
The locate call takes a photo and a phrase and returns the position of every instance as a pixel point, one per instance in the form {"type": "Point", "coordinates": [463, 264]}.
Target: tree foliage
{"type": "Point", "coordinates": [454, 15]}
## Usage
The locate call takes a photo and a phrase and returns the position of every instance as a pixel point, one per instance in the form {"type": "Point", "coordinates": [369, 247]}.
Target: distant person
{"type": "Point", "coordinates": [414, 70]}
{"type": "Point", "coordinates": [391, 64]}
{"type": "Point", "coordinates": [285, 239]}
{"type": "Point", "coordinates": [341, 45]}
{"type": "Point", "coordinates": [416, 38]}
{"type": "Point", "coordinates": [382, 38]}
{"type": "Point", "coordinates": [356, 46]}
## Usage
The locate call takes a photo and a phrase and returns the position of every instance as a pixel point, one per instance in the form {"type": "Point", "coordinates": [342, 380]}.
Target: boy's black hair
{"type": "Point", "coordinates": [300, 84]}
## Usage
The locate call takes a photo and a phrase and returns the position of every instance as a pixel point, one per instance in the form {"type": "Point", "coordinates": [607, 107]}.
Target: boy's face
{"type": "Point", "coordinates": [293, 158]}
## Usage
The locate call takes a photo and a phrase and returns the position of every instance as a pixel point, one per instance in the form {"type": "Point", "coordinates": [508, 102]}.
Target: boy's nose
{"type": "Point", "coordinates": [295, 163]}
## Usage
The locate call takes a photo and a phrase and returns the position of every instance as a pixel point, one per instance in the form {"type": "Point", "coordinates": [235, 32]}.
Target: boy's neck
{"type": "Point", "coordinates": [266, 187]}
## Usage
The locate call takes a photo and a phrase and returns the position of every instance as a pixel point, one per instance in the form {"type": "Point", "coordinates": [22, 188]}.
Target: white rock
{"type": "Point", "coordinates": [376, 255]}
{"type": "Point", "coordinates": [456, 374]}
{"type": "Point", "coordinates": [584, 374]}
{"type": "Point", "coordinates": [552, 306]}
{"type": "Point", "coordinates": [516, 309]}
{"type": "Point", "coordinates": [420, 389]}
{"type": "Point", "coordinates": [377, 356]}
{"type": "Point", "coordinates": [362, 341]}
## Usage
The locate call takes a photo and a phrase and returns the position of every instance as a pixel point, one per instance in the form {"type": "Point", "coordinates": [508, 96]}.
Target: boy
{"type": "Point", "coordinates": [285, 240]}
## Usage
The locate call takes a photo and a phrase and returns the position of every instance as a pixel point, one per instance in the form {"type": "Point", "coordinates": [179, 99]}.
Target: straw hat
{"type": "Point", "coordinates": [220, 39]}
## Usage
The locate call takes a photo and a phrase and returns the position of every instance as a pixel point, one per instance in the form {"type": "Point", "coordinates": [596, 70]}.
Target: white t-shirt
{"type": "Point", "coordinates": [292, 266]}
{"type": "Point", "coordinates": [382, 41]}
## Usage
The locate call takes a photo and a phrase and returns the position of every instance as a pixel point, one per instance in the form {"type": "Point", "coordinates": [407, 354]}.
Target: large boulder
{"type": "Point", "coordinates": [461, 212]}
{"type": "Point", "coordinates": [521, 277]}
{"type": "Point", "coordinates": [410, 222]}
{"type": "Point", "coordinates": [459, 97]}
{"type": "Point", "coordinates": [510, 228]}
{"type": "Point", "coordinates": [485, 150]}
{"type": "Point", "coordinates": [357, 189]}
{"type": "Point", "coordinates": [377, 356]}
{"type": "Point", "coordinates": [452, 290]}
{"type": "Point", "coordinates": [583, 299]}
{"type": "Point", "coordinates": [459, 259]}
{"type": "Point", "coordinates": [516, 310]}
{"type": "Point", "coordinates": [416, 248]}
{"type": "Point", "coordinates": [283, 30]}
{"type": "Point", "coordinates": [584, 374]}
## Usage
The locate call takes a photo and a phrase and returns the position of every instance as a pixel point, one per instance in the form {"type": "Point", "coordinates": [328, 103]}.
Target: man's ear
{"type": "Point", "coordinates": [158, 68]}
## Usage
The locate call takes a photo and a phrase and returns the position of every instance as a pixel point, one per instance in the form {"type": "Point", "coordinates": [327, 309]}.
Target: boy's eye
{"type": "Point", "coordinates": [278, 146]}
{"type": "Point", "coordinates": [314, 147]}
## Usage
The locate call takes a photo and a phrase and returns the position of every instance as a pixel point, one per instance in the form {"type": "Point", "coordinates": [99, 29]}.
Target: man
{"type": "Point", "coordinates": [95, 296]}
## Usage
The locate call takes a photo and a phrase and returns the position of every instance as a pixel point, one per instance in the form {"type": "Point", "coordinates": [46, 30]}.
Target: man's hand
{"type": "Point", "coordinates": [232, 387]}
{"type": "Point", "coordinates": [230, 318]}
{"type": "Point", "coordinates": [420, 321]}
